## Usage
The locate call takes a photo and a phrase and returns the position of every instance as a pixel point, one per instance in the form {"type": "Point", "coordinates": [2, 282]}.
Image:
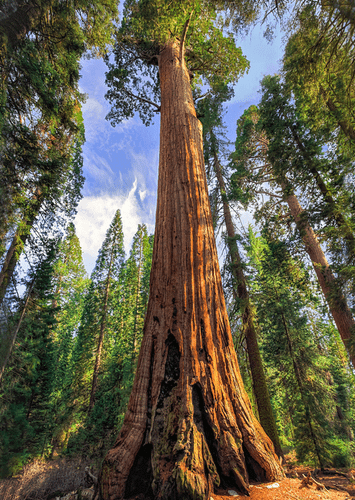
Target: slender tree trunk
{"type": "Point", "coordinates": [189, 425]}
{"type": "Point", "coordinates": [333, 295]}
{"type": "Point", "coordinates": [18, 242]}
{"type": "Point", "coordinates": [340, 220]}
{"type": "Point", "coordinates": [101, 338]}
{"type": "Point", "coordinates": [343, 124]}
{"type": "Point", "coordinates": [59, 288]}
{"type": "Point", "coordinates": [134, 353]}
{"type": "Point", "coordinates": [261, 391]}
{"type": "Point", "coordinates": [8, 342]}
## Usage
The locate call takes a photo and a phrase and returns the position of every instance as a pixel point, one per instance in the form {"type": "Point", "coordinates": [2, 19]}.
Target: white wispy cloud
{"type": "Point", "coordinates": [142, 194]}
{"type": "Point", "coordinates": [95, 214]}
{"type": "Point", "coordinates": [98, 168]}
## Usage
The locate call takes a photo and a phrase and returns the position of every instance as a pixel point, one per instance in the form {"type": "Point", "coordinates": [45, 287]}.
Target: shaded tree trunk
{"type": "Point", "coordinates": [340, 220]}
{"type": "Point", "coordinates": [343, 124]}
{"type": "Point", "coordinates": [333, 295]}
{"type": "Point", "coordinates": [189, 426]}
{"type": "Point", "coordinates": [8, 341]}
{"type": "Point", "coordinates": [260, 388]}
{"type": "Point", "coordinates": [18, 242]}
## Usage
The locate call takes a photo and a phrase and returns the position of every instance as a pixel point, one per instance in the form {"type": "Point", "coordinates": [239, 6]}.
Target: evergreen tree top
{"type": "Point", "coordinates": [111, 254]}
{"type": "Point", "coordinates": [197, 26]}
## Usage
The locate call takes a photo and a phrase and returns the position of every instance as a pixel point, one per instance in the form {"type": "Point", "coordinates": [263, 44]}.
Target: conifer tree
{"type": "Point", "coordinates": [26, 413]}
{"type": "Point", "coordinates": [281, 290]}
{"type": "Point", "coordinates": [98, 428]}
{"type": "Point", "coordinates": [262, 155]}
{"type": "Point", "coordinates": [41, 44]}
{"type": "Point", "coordinates": [42, 360]}
{"type": "Point", "coordinates": [188, 410]}
{"type": "Point", "coordinates": [58, 187]}
{"type": "Point", "coordinates": [325, 89]}
{"type": "Point", "coordinates": [69, 284]}
{"type": "Point", "coordinates": [308, 156]}
{"type": "Point", "coordinates": [136, 286]}
{"type": "Point", "coordinates": [98, 319]}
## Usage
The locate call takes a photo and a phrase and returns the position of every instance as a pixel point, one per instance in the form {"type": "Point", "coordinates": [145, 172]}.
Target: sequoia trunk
{"type": "Point", "coordinates": [332, 207]}
{"type": "Point", "coordinates": [261, 391]}
{"type": "Point", "coordinates": [333, 295]}
{"type": "Point", "coordinates": [189, 424]}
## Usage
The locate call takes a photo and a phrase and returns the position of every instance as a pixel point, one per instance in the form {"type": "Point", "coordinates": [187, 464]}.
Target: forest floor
{"type": "Point", "coordinates": [336, 487]}
{"type": "Point", "coordinates": [53, 479]}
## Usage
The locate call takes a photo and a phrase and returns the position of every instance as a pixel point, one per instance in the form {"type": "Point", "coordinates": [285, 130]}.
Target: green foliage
{"type": "Point", "coordinates": [299, 362]}
{"type": "Point", "coordinates": [326, 88]}
{"type": "Point", "coordinates": [313, 162]}
{"type": "Point", "coordinates": [25, 416]}
{"type": "Point", "coordinates": [92, 433]}
{"type": "Point", "coordinates": [99, 312]}
{"type": "Point", "coordinates": [35, 385]}
{"type": "Point", "coordinates": [210, 53]}
{"type": "Point", "coordinates": [40, 116]}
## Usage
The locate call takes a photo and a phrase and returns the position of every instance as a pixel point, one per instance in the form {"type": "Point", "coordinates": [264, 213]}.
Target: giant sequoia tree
{"type": "Point", "coordinates": [189, 426]}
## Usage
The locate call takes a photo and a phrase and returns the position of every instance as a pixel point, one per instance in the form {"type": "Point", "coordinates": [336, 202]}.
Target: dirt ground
{"type": "Point", "coordinates": [337, 485]}
{"type": "Point", "coordinates": [46, 480]}
{"type": "Point", "coordinates": [50, 480]}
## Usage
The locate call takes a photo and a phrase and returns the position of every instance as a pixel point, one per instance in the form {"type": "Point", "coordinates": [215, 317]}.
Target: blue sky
{"type": "Point", "coordinates": [121, 163]}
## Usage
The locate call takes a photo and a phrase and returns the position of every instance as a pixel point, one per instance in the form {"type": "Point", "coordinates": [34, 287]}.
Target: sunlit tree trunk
{"type": "Point", "coordinates": [261, 391]}
{"type": "Point", "coordinates": [333, 295]}
{"type": "Point", "coordinates": [189, 425]}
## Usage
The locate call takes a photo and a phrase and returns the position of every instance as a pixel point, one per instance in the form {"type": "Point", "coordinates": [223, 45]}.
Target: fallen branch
{"type": "Point", "coordinates": [309, 480]}
{"type": "Point", "coordinates": [91, 476]}
{"type": "Point", "coordinates": [335, 472]}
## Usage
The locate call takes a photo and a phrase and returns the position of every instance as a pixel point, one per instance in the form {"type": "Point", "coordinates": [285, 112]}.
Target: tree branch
{"type": "Point", "coordinates": [184, 33]}
{"type": "Point", "coordinates": [143, 99]}
{"type": "Point", "coordinates": [203, 96]}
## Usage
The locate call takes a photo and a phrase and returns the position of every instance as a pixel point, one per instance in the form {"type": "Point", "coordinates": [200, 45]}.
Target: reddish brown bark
{"type": "Point", "coordinates": [189, 423]}
{"type": "Point", "coordinates": [333, 295]}
{"type": "Point", "coordinates": [333, 209]}
{"type": "Point", "coordinates": [260, 388]}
